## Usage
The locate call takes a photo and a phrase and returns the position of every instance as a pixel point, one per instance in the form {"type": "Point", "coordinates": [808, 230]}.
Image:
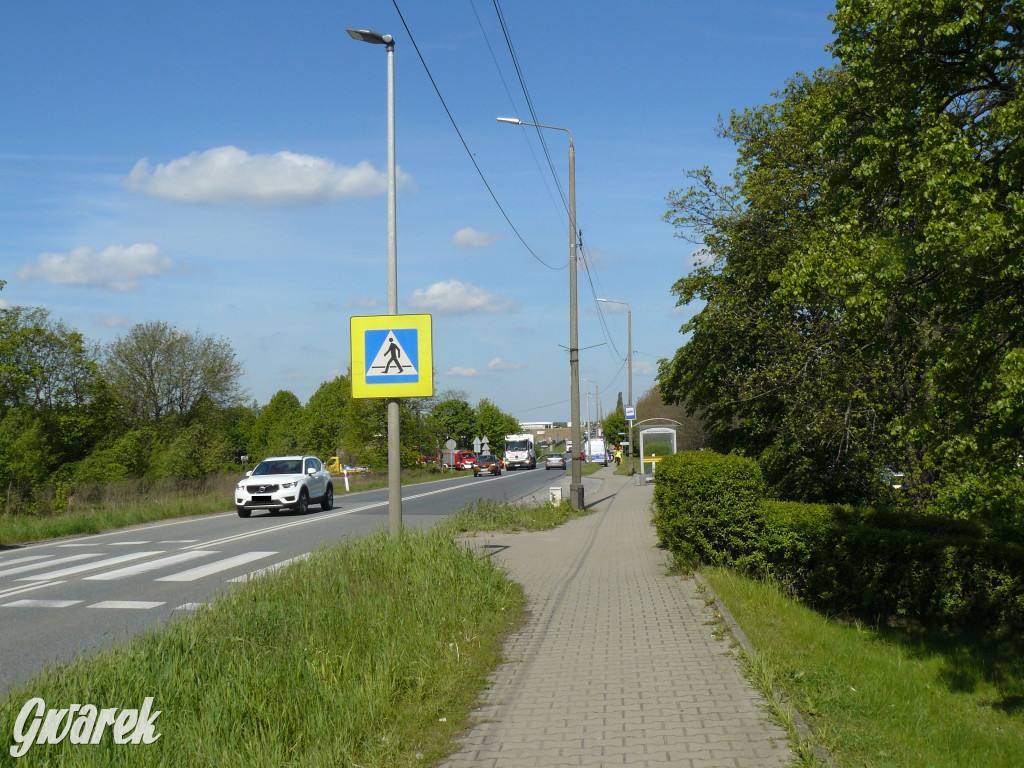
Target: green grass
{"type": "Point", "coordinates": [370, 653]}
{"type": "Point", "coordinates": [492, 515]}
{"type": "Point", "coordinates": [881, 698]}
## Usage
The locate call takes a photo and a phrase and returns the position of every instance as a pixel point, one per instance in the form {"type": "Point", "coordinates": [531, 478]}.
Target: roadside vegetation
{"type": "Point", "coordinates": [877, 696]}
{"type": "Point", "coordinates": [509, 517]}
{"type": "Point", "coordinates": [897, 636]}
{"type": "Point", "coordinates": [369, 653]}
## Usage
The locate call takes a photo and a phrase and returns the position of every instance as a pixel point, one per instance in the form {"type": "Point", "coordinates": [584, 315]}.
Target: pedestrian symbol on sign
{"type": "Point", "coordinates": [391, 355]}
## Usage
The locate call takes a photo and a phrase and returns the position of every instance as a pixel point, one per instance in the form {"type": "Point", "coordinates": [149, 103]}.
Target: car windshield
{"type": "Point", "coordinates": [554, 456]}
{"type": "Point", "coordinates": [279, 467]}
{"type": "Point", "coordinates": [517, 445]}
{"type": "Point", "coordinates": [488, 459]}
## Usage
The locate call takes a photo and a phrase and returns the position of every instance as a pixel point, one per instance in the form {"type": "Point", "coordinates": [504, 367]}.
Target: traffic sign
{"type": "Point", "coordinates": [630, 413]}
{"type": "Point", "coordinates": [392, 356]}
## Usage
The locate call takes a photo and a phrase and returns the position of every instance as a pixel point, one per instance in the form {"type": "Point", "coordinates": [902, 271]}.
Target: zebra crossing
{"type": "Point", "coordinates": [109, 562]}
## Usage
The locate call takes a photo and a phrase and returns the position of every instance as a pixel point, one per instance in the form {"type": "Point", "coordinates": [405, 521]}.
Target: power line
{"type": "Point", "coordinates": [463, 140]}
{"type": "Point", "coordinates": [558, 211]}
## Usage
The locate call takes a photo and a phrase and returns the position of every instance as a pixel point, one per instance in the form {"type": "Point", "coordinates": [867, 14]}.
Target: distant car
{"type": "Point", "coordinates": [554, 461]}
{"type": "Point", "coordinates": [464, 460]}
{"type": "Point", "coordinates": [285, 482]}
{"type": "Point", "coordinates": [487, 463]}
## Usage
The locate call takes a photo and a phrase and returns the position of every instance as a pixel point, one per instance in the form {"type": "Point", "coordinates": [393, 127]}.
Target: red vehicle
{"type": "Point", "coordinates": [464, 460]}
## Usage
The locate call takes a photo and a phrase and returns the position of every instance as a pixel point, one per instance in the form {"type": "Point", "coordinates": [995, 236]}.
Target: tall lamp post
{"type": "Point", "coordinates": [576, 483]}
{"type": "Point", "coordinates": [394, 423]}
{"type": "Point", "coordinates": [629, 365]}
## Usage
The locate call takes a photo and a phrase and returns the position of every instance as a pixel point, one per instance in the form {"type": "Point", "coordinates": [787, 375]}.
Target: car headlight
{"type": "Point", "coordinates": [289, 485]}
{"type": "Point", "coordinates": [240, 487]}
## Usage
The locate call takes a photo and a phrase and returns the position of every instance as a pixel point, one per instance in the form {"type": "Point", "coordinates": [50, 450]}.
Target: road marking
{"type": "Point", "coordinates": [12, 591]}
{"type": "Point", "coordinates": [269, 568]}
{"type": "Point", "coordinates": [131, 605]}
{"type": "Point", "coordinates": [41, 603]}
{"type": "Point", "coordinates": [126, 543]}
{"type": "Point", "coordinates": [83, 544]}
{"type": "Point", "coordinates": [47, 564]}
{"type": "Point", "coordinates": [150, 565]}
{"type": "Point", "coordinates": [90, 566]}
{"type": "Point", "coordinates": [21, 559]}
{"type": "Point", "coordinates": [178, 541]}
{"type": "Point", "coordinates": [211, 568]}
{"type": "Point", "coordinates": [190, 606]}
{"type": "Point", "coordinates": [327, 516]}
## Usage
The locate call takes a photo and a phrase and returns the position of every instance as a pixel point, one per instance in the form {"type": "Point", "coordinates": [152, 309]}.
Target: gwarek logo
{"type": "Point", "coordinates": [83, 724]}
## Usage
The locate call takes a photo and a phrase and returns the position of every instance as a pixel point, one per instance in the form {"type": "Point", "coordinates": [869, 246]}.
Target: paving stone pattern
{"type": "Point", "coordinates": [616, 664]}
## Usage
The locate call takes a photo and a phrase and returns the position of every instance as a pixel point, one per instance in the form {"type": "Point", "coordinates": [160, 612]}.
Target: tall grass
{"type": "Point", "coordinates": [878, 698]}
{"type": "Point", "coordinates": [367, 654]}
{"type": "Point", "coordinates": [494, 515]}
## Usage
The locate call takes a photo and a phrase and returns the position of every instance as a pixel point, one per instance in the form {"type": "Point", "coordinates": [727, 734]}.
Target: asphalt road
{"type": "Point", "coordinates": [72, 596]}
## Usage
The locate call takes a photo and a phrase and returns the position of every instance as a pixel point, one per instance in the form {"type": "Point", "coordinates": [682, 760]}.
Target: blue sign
{"type": "Point", "coordinates": [630, 413]}
{"type": "Point", "coordinates": [392, 356]}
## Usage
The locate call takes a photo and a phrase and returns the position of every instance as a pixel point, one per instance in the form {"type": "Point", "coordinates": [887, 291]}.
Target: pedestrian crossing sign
{"type": "Point", "coordinates": [392, 356]}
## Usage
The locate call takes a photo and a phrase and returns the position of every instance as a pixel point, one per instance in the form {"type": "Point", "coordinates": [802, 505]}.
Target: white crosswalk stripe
{"type": "Point", "coordinates": [17, 560]}
{"type": "Point", "coordinates": [216, 567]}
{"type": "Point", "coordinates": [151, 565]}
{"type": "Point", "coordinates": [47, 564]}
{"type": "Point", "coordinates": [41, 603]}
{"type": "Point", "coordinates": [269, 568]}
{"type": "Point", "coordinates": [130, 605]}
{"type": "Point", "coordinates": [93, 566]}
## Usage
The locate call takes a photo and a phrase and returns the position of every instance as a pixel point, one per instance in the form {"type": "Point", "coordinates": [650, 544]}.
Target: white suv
{"type": "Point", "coordinates": [285, 482]}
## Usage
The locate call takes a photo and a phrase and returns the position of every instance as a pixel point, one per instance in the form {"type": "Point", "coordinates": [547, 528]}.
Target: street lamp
{"type": "Point", "coordinates": [597, 414]}
{"type": "Point", "coordinates": [394, 423]}
{"type": "Point", "coordinates": [576, 483]}
{"type": "Point", "coordinates": [629, 365]}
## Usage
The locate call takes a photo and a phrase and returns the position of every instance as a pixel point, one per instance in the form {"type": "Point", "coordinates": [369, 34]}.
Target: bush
{"type": "Point", "coordinates": [874, 564]}
{"type": "Point", "coordinates": [707, 508]}
{"type": "Point", "coordinates": [877, 564]}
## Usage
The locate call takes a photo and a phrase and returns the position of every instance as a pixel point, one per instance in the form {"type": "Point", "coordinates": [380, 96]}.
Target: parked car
{"type": "Point", "coordinates": [554, 461]}
{"type": "Point", "coordinates": [487, 463]}
{"type": "Point", "coordinates": [285, 482]}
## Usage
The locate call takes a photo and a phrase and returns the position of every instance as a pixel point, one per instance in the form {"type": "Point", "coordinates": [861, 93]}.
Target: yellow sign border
{"type": "Point", "coordinates": [358, 326]}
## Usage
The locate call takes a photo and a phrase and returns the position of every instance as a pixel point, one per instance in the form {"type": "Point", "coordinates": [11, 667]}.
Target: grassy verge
{"type": "Point", "coordinates": [492, 515]}
{"type": "Point", "coordinates": [367, 654]}
{"type": "Point", "coordinates": [880, 698]}
{"type": "Point", "coordinates": [120, 505]}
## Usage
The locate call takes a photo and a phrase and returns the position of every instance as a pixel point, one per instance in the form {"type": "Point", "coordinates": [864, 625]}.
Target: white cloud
{"type": "Point", "coordinates": [644, 368]}
{"type": "Point", "coordinates": [458, 370]}
{"type": "Point", "coordinates": [470, 238]}
{"type": "Point", "coordinates": [497, 364]}
{"type": "Point", "coordinates": [364, 302]}
{"type": "Point", "coordinates": [453, 297]}
{"type": "Point", "coordinates": [4, 304]}
{"type": "Point", "coordinates": [113, 321]}
{"type": "Point", "coordinates": [117, 268]}
{"type": "Point", "coordinates": [228, 175]}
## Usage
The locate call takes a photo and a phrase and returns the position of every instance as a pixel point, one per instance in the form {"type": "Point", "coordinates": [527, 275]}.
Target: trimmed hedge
{"type": "Point", "coordinates": [707, 507]}
{"type": "Point", "coordinates": [710, 508]}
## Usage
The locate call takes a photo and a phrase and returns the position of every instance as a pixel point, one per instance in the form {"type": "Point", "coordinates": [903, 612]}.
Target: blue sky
{"type": "Point", "coordinates": [221, 166]}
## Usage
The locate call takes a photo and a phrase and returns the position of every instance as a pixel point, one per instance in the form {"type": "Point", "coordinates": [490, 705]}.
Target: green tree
{"type": "Point", "coordinates": [158, 371]}
{"type": "Point", "coordinates": [494, 424]}
{"type": "Point", "coordinates": [275, 431]}
{"type": "Point", "coordinates": [861, 274]}
{"type": "Point", "coordinates": [454, 419]}
{"type": "Point", "coordinates": [323, 418]}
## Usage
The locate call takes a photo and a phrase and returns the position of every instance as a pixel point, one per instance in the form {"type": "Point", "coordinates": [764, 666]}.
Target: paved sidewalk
{"type": "Point", "coordinates": [615, 665]}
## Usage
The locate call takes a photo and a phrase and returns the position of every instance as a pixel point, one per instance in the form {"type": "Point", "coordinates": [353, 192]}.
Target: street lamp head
{"type": "Point", "coordinates": [512, 120]}
{"type": "Point", "coordinates": [371, 37]}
